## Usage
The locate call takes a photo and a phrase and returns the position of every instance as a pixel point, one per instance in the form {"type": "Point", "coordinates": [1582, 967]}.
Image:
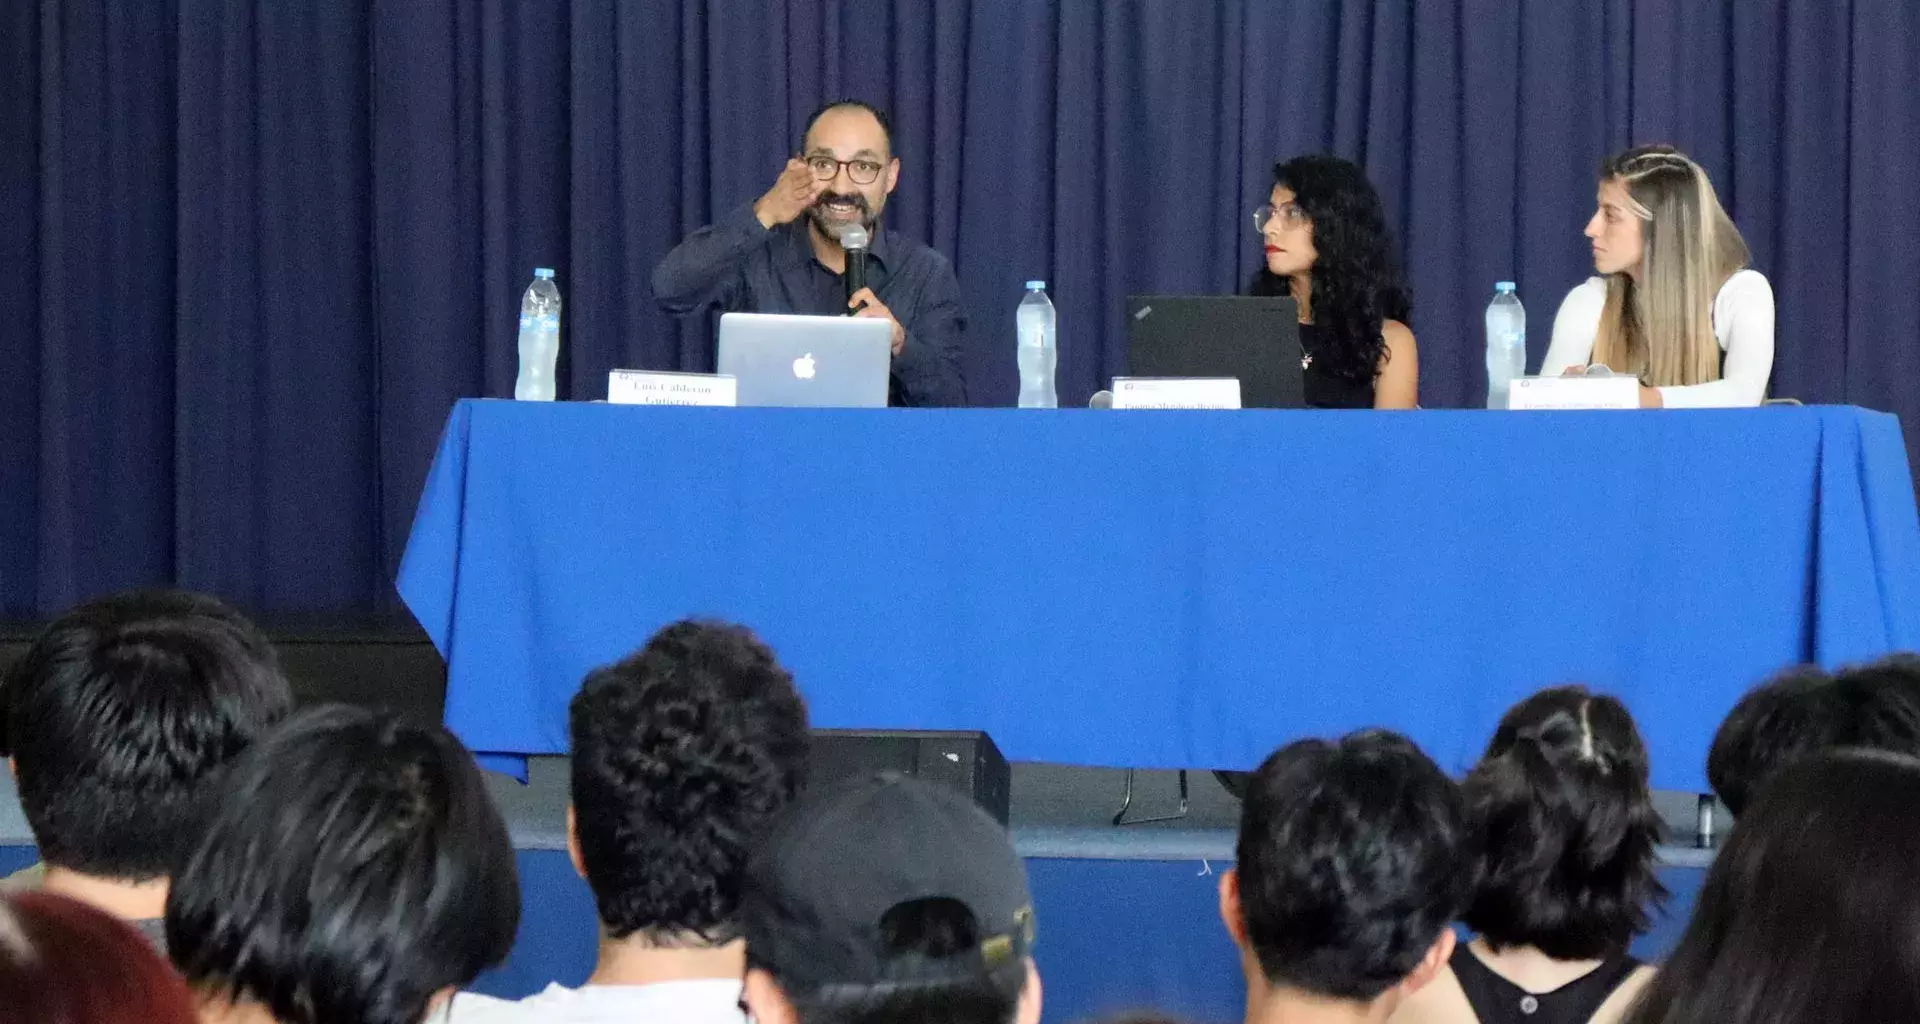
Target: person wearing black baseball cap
{"type": "Point", "coordinates": [886, 900]}
{"type": "Point", "coordinates": [1351, 866]}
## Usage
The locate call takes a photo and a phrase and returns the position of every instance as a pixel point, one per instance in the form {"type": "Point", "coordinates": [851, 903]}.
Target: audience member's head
{"type": "Point", "coordinates": [1810, 911]}
{"type": "Point", "coordinates": [1353, 860]}
{"type": "Point", "coordinates": [63, 962]}
{"type": "Point", "coordinates": [1805, 711]}
{"type": "Point", "coordinates": [354, 869]}
{"type": "Point", "coordinates": [1563, 818]}
{"type": "Point", "coordinates": [119, 714]}
{"type": "Point", "coordinates": [888, 901]}
{"type": "Point", "coordinates": [682, 754]}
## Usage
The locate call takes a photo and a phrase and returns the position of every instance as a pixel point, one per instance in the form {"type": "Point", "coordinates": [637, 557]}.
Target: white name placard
{"type": "Point", "coordinates": [644, 387]}
{"type": "Point", "coordinates": [1574, 393]}
{"type": "Point", "coordinates": [1176, 393]}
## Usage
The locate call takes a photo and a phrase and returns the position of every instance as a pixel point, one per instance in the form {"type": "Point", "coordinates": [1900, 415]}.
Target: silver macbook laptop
{"type": "Point", "coordinates": [782, 359]}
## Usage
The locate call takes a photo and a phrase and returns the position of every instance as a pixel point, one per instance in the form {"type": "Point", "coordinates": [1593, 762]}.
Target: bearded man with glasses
{"type": "Point", "coordinates": [782, 254]}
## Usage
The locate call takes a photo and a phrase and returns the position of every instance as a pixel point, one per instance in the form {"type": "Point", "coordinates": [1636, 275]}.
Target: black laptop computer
{"type": "Point", "coordinates": [1256, 339]}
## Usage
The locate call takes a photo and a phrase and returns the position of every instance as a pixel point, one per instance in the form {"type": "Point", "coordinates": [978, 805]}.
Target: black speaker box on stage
{"type": "Point", "coordinates": [967, 762]}
{"type": "Point", "coordinates": [380, 662]}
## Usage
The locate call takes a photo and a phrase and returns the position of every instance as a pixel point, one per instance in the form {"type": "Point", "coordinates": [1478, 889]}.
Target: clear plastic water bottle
{"type": "Point", "coordinates": [1039, 348]}
{"type": "Point", "coordinates": [539, 338]}
{"type": "Point", "coordinates": [1506, 343]}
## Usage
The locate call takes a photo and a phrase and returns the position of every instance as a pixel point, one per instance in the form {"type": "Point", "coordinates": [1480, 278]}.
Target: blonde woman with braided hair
{"type": "Point", "coordinates": [1675, 303]}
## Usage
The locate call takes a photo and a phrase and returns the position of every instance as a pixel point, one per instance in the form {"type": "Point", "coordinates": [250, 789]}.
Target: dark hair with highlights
{"type": "Point", "coordinates": [1353, 857]}
{"type": "Point", "coordinates": [1357, 282]}
{"type": "Point", "coordinates": [1809, 912]}
{"type": "Point", "coordinates": [1804, 711]}
{"type": "Point", "coordinates": [354, 867]}
{"type": "Point", "coordinates": [1563, 816]}
{"type": "Point", "coordinates": [682, 754]}
{"type": "Point", "coordinates": [63, 962]}
{"type": "Point", "coordinates": [119, 715]}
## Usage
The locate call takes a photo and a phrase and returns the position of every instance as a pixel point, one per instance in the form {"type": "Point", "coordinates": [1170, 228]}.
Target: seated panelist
{"type": "Point", "coordinates": [1675, 303]}
{"type": "Point", "coordinates": [782, 254]}
{"type": "Point", "coordinates": [1328, 246]}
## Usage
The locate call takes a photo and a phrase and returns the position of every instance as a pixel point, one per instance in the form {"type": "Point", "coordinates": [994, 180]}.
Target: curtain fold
{"type": "Point", "coordinates": [253, 251]}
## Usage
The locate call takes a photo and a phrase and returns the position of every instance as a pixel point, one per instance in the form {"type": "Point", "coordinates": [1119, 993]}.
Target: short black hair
{"type": "Point", "coordinates": [1804, 711]}
{"type": "Point", "coordinates": [1809, 912]}
{"type": "Point", "coordinates": [682, 754]}
{"type": "Point", "coordinates": [118, 715]}
{"type": "Point", "coordinates": [932, 929]}
{"type": "Point", "coordinates": [1353, 857]}
{"type": "Point", "coordinates": [353, 866]}
{"type": "Point", "coordinates": [1562, 815]}
{"type": "Point", "coordinates": [886, 123]}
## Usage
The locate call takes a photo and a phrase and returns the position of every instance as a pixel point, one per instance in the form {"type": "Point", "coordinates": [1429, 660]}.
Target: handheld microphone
{"type": "Point", "coordinates": [855, 239]}
{"type": "Point", "coordinates": [1101, 400]}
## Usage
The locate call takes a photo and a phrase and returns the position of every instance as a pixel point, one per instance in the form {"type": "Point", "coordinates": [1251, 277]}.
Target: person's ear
{"type": "Point", "coordinates": [1028, 1009]}
{"type": "Point", "coordinates": [1230, 912]}
{"type": "Point", "coordinates": [893, 174]}
{"type": "Point", "coordinates": [573, 843]}
{"type": "Point", "coordinates": [1431, 964]}
{"type": "Point", "coordinates": [766, 1004]}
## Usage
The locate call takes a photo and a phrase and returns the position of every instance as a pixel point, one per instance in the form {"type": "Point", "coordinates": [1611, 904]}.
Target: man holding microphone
{"type": "Point", "coordinates": [784, 253]}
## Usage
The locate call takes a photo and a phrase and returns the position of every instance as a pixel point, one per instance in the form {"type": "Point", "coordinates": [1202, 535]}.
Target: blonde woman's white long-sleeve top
{"type": "Point", "coordinates": [1742, 323]}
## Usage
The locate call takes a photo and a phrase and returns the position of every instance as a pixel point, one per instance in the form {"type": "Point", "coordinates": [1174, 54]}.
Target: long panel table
{"type": "Point", "coordinates": [1169, 589]}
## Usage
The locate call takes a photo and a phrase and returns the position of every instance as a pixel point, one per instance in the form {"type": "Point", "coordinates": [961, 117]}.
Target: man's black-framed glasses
{"type": "Point", "coordinates": [862, 171]}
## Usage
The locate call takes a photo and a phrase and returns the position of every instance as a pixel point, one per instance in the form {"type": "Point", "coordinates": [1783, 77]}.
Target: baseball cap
{"type": "Point", "coordinates": [845, 854]}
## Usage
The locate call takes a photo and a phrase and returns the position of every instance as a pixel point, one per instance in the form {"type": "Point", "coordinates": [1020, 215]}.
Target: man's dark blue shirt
{"type": "Point", "coordinates": [738, 265]}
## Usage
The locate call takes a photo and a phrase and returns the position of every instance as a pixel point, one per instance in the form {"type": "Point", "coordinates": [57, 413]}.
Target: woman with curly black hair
{"type": "Point", "coordinates": [1328, 246]}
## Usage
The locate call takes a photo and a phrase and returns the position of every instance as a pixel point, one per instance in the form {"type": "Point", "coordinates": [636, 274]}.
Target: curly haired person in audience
{"type": "Point", "coordinates": [1804, 711]}
{"type": "Point", "coordinates": [115, 719]}
{"type": "Point", "coordinates": [64, 962]}
{"type": "Point", "coordinates": [887, 900]}
{"type": "Point", "coordinates": [682, 754]}
{"type": "Point", "coordinates": [1809, 913]}
{"type": "Point", "coordinates": [1564, 822]}
{"type": "Point", "coordinates": [1353, 860]}
{"type": "Point", "coordinates": [354, 871]}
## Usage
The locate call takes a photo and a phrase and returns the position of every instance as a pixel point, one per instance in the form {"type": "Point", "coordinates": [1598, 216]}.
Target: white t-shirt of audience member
{"type": "Point", "coordinates": [714, 1001]}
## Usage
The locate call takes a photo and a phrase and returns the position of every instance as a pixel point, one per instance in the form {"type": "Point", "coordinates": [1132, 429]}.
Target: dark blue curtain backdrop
{"type": "Point", "coordinates": [251, 251]}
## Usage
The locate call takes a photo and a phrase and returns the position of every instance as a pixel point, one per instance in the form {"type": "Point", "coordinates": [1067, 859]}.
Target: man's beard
{"type": "Point", "coordinates": [830, 227]}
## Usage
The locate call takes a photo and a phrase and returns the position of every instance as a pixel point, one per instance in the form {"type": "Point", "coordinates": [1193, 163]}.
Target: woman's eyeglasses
{"type": "Point", "coordinates": [1290, 215]}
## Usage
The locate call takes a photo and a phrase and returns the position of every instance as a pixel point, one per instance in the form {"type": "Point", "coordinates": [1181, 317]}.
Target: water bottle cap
{"type": "Point", "coordinates": [1036, 286]}
{"type": "Point", "coordinates": [1502, 287]}
{"type": "Point", "coordinates": [543, 273]}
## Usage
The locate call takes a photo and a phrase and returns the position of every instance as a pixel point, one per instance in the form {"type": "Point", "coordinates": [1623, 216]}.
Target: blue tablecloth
{"type": "Point", "coordinates": [1171, 588]}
